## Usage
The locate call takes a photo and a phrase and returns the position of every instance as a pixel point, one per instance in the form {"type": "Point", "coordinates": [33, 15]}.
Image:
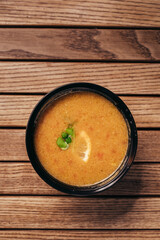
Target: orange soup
{"type": "Point", "coordinates": [95, 148]}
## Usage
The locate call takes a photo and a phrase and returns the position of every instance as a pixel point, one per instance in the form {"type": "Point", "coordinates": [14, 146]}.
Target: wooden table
{"type": "Point", "coordinates": [47, 43]}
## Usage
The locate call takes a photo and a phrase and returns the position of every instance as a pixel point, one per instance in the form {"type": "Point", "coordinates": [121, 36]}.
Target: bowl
{"type": "Point", "coordinates": [107, 182]}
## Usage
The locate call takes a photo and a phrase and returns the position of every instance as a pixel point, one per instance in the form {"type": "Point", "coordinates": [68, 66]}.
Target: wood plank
{"type": "Point", "coordinates": [73, 212]}
{"type": "Point", "coordinates": [15, 110]}
{"type": "Point", "coordinates": [148, 146]}
{"type": "Point", "coordinates": [12, 145]}
{"type": "Point", "coordinates": [42, 77]}
{"type": "Point", "coordinates": [94, 13]}
{"type": "Point", "coordinates": [20, 178]}
{"type": "Point", "coordinates": [79, 234]}
{"type": "Point", "coordinates": [80, 44]}
{"type": "Point", "coordinates": [146, 111]}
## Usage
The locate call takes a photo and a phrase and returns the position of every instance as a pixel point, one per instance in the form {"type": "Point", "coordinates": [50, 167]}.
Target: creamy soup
{"type": "Point", "coordinates": [98, 144]}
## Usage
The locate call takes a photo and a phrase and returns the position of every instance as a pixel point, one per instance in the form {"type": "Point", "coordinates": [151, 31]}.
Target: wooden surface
{"type": "Point", "coordinates": [122, 78]}
{"type": "Point", "coordinates": [84, 13]}
{"type": "Point", "coordinates": [85, 213]}
{"type": "Point", "coordinates": [79, 234]}
{"type": "Point", "coordinates": [47, 43]}
{"type": "Point", "coordinates": [79, 44]}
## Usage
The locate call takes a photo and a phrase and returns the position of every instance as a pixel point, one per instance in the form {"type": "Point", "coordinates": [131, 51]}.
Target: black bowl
{"type": "Point", "coordinates": [132, 142]}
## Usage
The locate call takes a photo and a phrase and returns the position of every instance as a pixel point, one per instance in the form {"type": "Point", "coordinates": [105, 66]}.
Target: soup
{"type": "Point", "coordinates": [97, 133]}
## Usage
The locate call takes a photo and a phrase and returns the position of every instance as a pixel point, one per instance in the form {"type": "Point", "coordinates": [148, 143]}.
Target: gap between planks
{"type": "Point", "coordinates": [80, 27]}
{"type": "Point", "coordinates": [151, 61]}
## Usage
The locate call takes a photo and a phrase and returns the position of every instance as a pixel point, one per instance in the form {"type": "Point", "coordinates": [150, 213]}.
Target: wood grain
{"type": "Point", "coordinates": [79, 234]}
{"type": "Point", "coordinates": [42, 77]}
{"type": "Point", "coordinates": [79, 44]}
{"type": "Point", "coordinates": [15, 110]}
{"type": "Point", "coordinates": [94, 13]}
{"type": "Point", "coordinates": [12, 145]}
{"type": "Point", "coordinates": [79, 213]}
{"type": "Point", "coordinates": [20, 178]}
{"type": "Point", "coordinates": [146, 111]}
{"type": "Point", "coordinates": [148, 146]}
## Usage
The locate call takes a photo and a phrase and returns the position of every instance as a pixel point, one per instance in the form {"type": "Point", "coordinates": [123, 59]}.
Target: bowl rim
{"type": "Point", "coordinates": [77, 87]}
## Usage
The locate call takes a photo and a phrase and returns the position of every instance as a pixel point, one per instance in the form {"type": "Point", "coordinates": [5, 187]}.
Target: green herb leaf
{"type": "Point", "coordinates": [62, 144]}
{"type": "Point", "coordinates": [70, 131]}
{"type": "Point", "coordinates": [64, 135]}
{"type": "Point", "coordinates": [68, 140]}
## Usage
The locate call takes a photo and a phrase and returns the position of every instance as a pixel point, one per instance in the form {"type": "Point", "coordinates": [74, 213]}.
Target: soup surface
{"type": "Point", "coordinates": [99, 143]}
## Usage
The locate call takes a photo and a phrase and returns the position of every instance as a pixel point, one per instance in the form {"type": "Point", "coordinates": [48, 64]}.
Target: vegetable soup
{"type": "Point", "coordinates": [81, 138]}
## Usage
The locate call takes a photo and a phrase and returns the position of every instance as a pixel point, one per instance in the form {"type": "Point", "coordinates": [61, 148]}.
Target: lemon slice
{"type": "Point", "coordinates": [82, 146]}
